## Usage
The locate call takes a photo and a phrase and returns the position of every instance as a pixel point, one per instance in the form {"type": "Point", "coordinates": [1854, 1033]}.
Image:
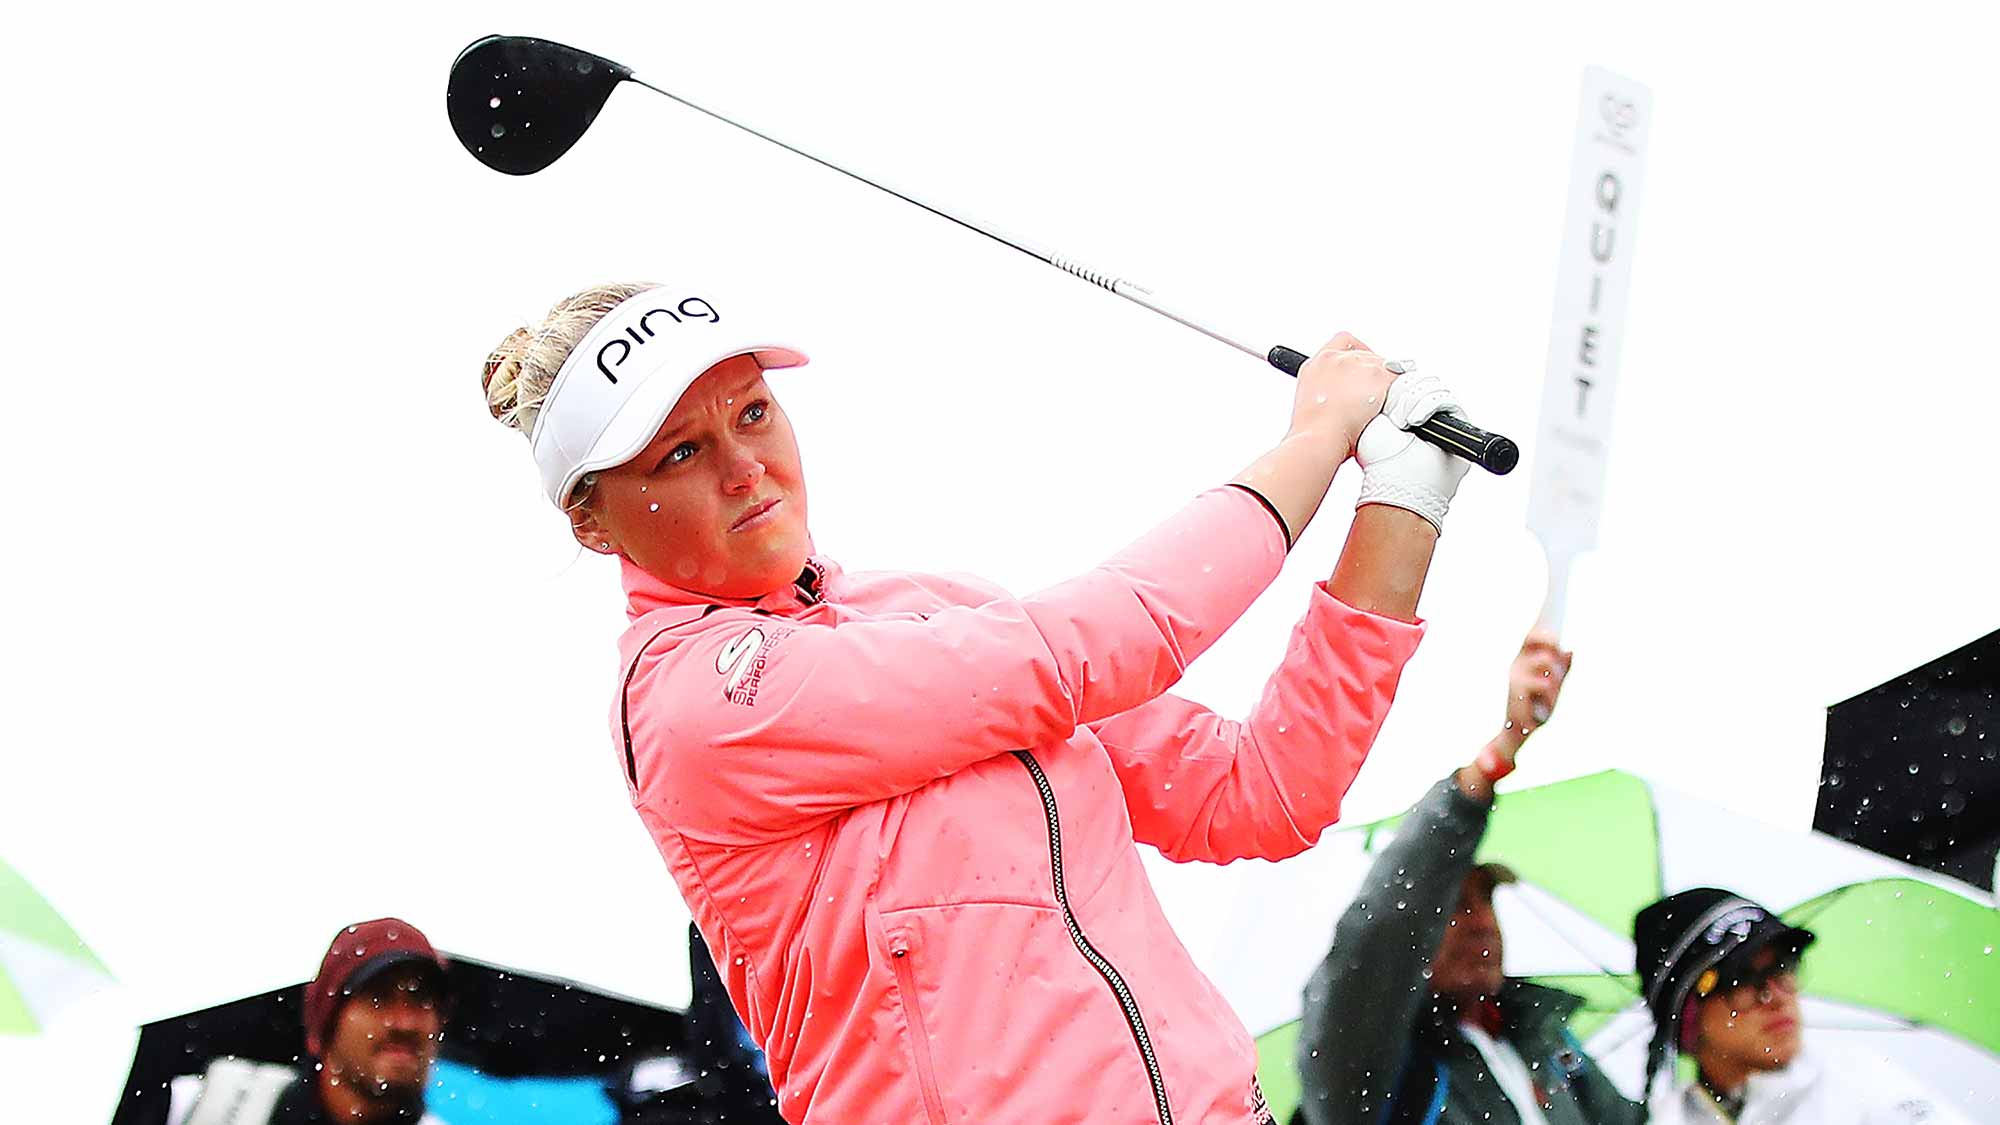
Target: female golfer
{"type": "Point", "coordinates": [901, 807]}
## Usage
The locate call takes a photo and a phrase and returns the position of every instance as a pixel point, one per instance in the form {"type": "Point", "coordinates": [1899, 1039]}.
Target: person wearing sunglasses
{"type": "Point", "coordinates": [1720, 974]}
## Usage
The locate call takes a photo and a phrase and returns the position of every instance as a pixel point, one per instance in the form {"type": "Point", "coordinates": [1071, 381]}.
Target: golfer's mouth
{"type": "Point", "coordinates": [757, 516]}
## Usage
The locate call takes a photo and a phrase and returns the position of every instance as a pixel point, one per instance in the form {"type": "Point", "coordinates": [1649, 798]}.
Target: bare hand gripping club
{"type": "Point", "coordinates": [518, 104]}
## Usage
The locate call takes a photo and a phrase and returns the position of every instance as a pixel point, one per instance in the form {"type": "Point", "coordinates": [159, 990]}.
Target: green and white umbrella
{"type": "Point", "coordinates": [44, 966]}
{"type": "Point", "coordinates": [1905, 966]}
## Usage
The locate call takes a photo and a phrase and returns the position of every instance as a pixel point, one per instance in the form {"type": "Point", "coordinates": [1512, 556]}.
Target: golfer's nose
{"type": "Point", "coordinates": [742, 470]}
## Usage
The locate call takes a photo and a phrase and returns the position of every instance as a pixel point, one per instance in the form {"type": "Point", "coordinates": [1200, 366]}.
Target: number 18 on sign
{"type": "Point", "coordinates": [1592, 280]}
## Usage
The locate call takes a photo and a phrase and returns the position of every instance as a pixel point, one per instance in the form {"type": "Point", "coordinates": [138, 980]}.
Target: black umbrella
{"type": "Point", "coordinates": [504, 1022]}
{"type": "Point", "coordinates": [1912, 767]}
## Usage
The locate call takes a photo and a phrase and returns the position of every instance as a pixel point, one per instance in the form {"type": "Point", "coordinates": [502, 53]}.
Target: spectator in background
{"type": "Point", "coordinates": [373, 1018]}
{"type": "Point", "coordinates": [1409, 1019]}
{"type": "Point", "coordinates": [1720, 975]}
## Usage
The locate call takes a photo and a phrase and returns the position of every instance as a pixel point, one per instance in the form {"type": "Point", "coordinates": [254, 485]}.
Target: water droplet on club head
{"type": "Point", "coordinates": [585, 66]}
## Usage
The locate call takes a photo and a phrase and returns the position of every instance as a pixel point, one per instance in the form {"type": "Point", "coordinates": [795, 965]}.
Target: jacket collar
{"type": "Point", "coordinates": [646, 594]}
{"type": "Point", "coordinates": [1531, 1013]}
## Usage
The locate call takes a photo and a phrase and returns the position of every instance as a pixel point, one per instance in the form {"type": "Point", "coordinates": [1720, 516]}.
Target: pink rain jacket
{"type": "Point", "coordinates": [902, 811]}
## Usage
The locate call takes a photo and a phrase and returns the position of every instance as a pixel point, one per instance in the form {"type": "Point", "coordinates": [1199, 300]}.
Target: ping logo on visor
{"type": "Point", "coordinates": [692, 307]}
{"type": "Point", "coordinates": [621, 381]}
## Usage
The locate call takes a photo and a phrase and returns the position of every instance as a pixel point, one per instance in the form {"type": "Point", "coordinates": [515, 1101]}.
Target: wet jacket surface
{"type": "Point", "coordinates": [902, 810]}
{"type": "Point", "coordinates": [1374, 1046]}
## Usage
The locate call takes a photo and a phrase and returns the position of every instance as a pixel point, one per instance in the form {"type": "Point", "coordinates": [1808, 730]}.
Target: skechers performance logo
{"type": "Point", "coordinates": [742, 661]}
{"type": "Point", "coordinates": [639, 334]}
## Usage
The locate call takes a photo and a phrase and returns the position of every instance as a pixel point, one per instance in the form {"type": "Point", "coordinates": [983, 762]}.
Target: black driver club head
{"type": "Point", "coordinates": [517, 104]}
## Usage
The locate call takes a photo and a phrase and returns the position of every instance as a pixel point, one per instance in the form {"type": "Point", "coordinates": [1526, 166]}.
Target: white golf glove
{"type": "Point", "coordinates": [1397, 467]}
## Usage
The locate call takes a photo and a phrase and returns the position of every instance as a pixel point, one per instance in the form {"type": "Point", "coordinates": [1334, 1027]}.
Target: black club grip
{"type": "Point", "coordinates": [1495, 453]}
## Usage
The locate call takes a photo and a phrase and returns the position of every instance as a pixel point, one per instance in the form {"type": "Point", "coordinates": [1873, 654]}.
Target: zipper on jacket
{"type": "Point", "coordinates": [1097, 960]}
{"type": "Point", "coordinates": [926, 1078]}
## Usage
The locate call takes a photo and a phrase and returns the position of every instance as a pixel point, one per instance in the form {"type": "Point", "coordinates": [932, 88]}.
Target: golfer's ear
{"type": "Point", "coordinates": [589, 532]}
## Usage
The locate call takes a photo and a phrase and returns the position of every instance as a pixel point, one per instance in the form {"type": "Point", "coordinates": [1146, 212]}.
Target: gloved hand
{"type": "Point", "coordinates": [1397, 467]}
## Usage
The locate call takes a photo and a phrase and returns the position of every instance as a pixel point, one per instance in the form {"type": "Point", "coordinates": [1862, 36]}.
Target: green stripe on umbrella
{"type": "Point", "coordinates": [43, 963]}
{"type": "Point", "coordinates": [1592, 842]}
{"type": "Point", "coordinates": [1906, 947]}
{"type": "Point", "coordinates": [15, 1018]}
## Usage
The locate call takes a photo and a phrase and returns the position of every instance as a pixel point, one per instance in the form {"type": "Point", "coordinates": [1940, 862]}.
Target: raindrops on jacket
{"type": "Point", "coordinates": [653, 507]}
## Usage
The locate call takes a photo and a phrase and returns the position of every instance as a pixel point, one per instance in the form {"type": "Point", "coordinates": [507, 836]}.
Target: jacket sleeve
{"type": "Point", "coordinates": [753, 728]}
{"type": "Point", "coordinates": [1201, 787]}
{"type": "Point", "coordinates": [1363, 1002]}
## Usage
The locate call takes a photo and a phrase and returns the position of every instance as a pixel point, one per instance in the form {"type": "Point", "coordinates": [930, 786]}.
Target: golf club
{"type": "Point", "coordinates": [517, 104]}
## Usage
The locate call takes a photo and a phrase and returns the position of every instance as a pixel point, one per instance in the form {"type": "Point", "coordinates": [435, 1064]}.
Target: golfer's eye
{"type": "Point", "coordinates": [677, 454]}
{"type": "Point", "coordinates": [756, 412]}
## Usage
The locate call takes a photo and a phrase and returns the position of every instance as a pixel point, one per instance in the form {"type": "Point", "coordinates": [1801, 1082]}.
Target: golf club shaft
{"type": "Point", "coordinates": [1449, 432]}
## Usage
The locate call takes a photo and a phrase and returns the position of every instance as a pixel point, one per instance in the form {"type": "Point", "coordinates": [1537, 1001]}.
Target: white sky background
{"type": "Point", "coordinates": [293, 640]}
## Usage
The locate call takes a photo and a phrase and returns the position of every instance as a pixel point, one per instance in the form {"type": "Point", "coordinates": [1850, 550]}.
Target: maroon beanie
{"type": "Point", "coordinates": [359, 953]}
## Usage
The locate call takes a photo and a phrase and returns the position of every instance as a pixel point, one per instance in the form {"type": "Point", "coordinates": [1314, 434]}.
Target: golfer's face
{"type": "Point", "coordinates": [716, 503]}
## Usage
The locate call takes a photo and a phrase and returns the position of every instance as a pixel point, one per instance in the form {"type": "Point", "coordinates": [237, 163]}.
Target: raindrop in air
{"type": "Point", "coordinates": [494, 103]}
{"type": "Point", "coordinates": [499, 130]}
{"type": "Point", "coordinates": [1955, 725]}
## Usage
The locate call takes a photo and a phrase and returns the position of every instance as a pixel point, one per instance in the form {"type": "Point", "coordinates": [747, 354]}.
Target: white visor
{"type": "Point", "coordinates": [622, 381]}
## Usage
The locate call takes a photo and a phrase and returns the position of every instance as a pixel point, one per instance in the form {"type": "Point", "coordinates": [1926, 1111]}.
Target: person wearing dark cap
{"type": "Point", "coordinates": [1719, 974]}
{"type": "Point", "coordinates": [1409, 1018]}
{"type": "Point", "coordinates": [374, 1015]}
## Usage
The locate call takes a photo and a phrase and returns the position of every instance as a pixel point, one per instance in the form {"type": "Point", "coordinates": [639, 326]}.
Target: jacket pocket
{"type": "Point", "coordinates": [913, 1014]}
